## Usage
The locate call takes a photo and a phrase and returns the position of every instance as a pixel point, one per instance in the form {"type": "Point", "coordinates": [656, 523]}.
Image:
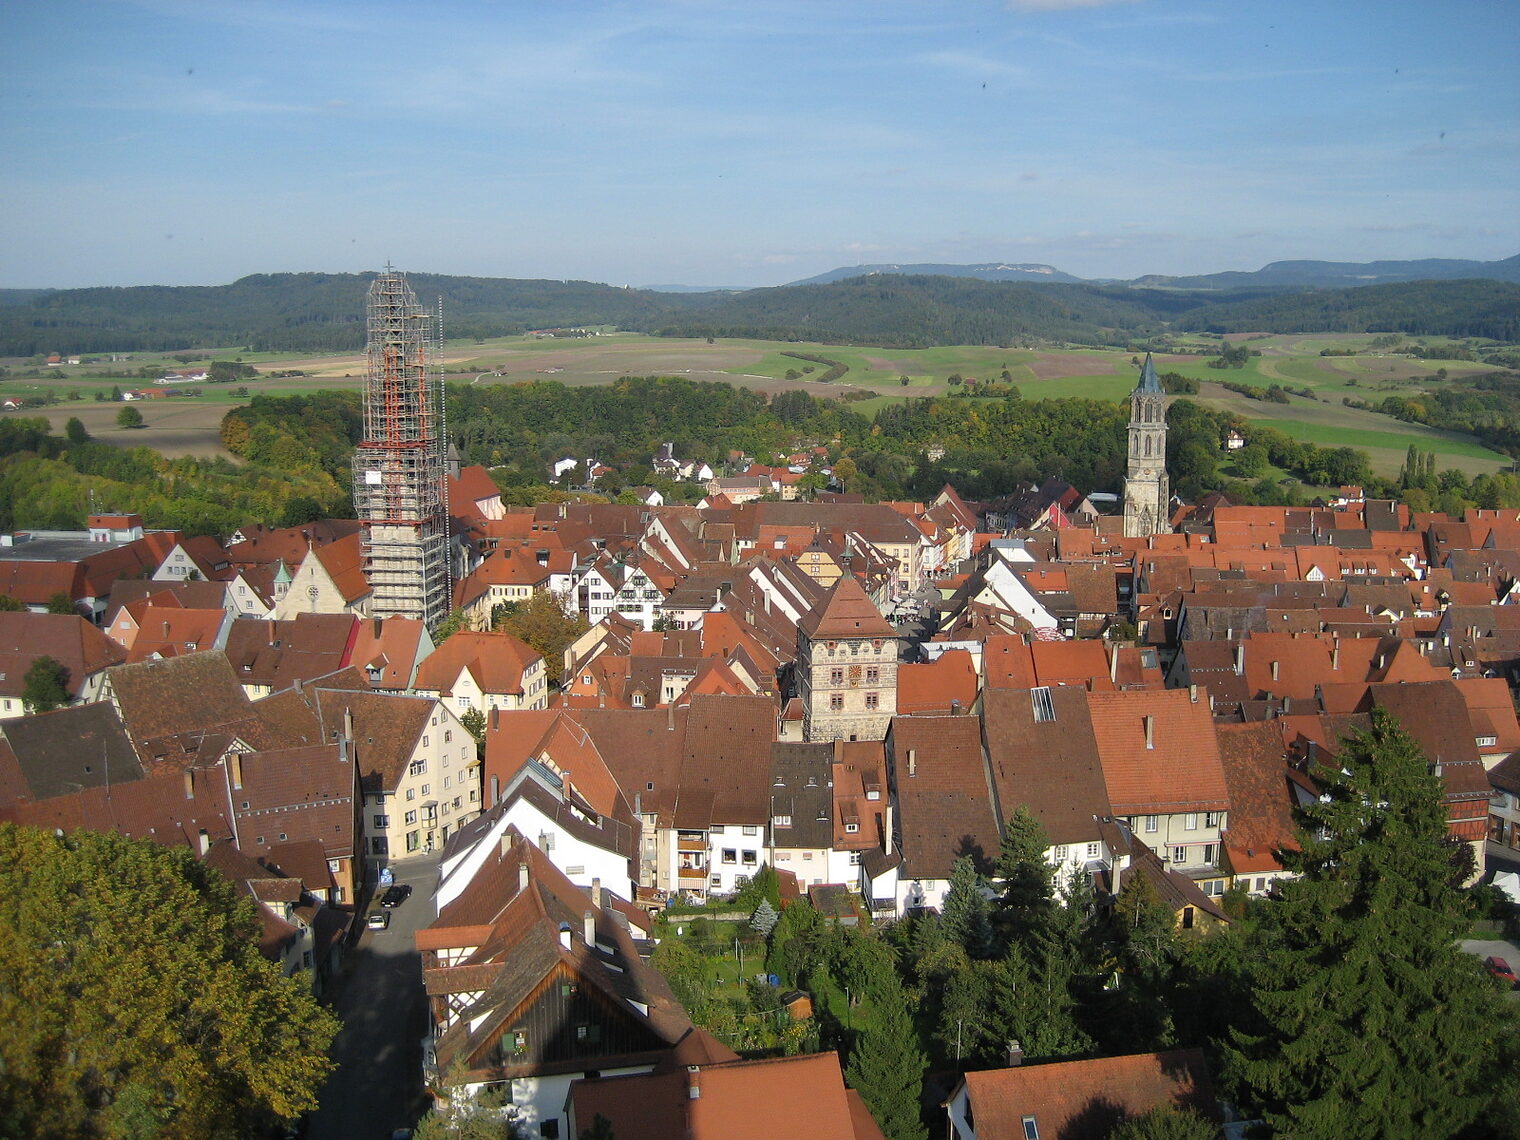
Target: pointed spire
{"type": "Point", "coordinates": [1148, 382]}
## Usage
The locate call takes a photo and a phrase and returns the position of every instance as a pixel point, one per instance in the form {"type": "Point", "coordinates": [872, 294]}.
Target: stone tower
{"type": "Point", "coordinates": [1147, 498]}
{"type": "Point", "coordinates": [846, 667]}
{"type": "Point", "coordinates": [399, 493]}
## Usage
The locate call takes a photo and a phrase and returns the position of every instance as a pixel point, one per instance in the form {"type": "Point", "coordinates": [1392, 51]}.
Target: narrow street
{"type": "Point", "coordinates": [377, 1087]}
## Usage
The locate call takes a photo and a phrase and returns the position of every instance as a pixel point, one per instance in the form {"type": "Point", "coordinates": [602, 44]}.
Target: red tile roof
{"type": "Point", "coordinates": [1177, 771]}
{"type": "Point", "coordinates": [1086, 1100]}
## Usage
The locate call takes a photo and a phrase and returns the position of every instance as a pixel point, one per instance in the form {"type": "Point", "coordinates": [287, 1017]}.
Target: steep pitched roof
{"type": "Point", "coordinates": [1158, 751]}
{"type": "Point", "coordinates": [846, 611]}
{"type": "Point", "coordinates": [729, 1100]}
{"type": "Point", "coordinates": [943, 797]}
{"type": "Point", "coordinates": [496, 662]}
{"type": "Point", "coordinates": [1256, 773]}
{"type": "Point", "coordinates": [71, 749]}
{"type": "Point", "coordinates": [67, 638]}
{"type": "Point", "coordinates": [1086, 1100]}
{"type": "Point", "coordinates": [1043, 755]}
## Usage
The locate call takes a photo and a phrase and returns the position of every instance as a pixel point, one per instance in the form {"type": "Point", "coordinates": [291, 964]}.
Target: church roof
{"type": "Point", "coordinates": [1148, 382]}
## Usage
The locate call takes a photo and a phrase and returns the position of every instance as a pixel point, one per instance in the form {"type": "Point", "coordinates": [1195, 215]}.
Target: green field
{"type": "Point", "coordinates": [1108, 374]}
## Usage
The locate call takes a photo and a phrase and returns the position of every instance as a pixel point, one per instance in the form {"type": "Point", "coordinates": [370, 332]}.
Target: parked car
{"type": "Point", "coordinates": [397, 895]}
{"type": "Point", "coordinates": [1499, 968]}
{"type": "Point", "coordinates": [378, 920]}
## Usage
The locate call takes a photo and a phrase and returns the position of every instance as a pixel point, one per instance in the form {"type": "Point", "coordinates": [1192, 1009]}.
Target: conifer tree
{"type": "Point", "coordinates": [965, 910]}
{"type": "Point", "coordinates": [887, 1066]}
{"type": "Point", "coordinates": [1372, 1023]}
{"type": "Point", "coordinates": [1026, 877]}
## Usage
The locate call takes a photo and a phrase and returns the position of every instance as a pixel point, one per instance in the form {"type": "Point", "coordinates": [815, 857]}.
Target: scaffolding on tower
{"type": "Point", "coordinates": [400, 496]}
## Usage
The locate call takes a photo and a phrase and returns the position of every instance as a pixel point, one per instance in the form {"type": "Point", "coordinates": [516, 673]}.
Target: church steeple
{"type": "Point", "coordinates": [1147, 500]}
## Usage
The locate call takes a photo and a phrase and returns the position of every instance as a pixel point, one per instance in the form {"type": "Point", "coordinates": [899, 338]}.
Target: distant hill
{"type": "Point", "coordinates": [988, 271]}
{"type": "Point", "coordinates": [1343, 274]}
{"type": "Point", "coordinates": [1417, 308]}
{"type": "Point", "coordinates": [322, 312]}
{"type": "Point", "coordinates": [21, 296]}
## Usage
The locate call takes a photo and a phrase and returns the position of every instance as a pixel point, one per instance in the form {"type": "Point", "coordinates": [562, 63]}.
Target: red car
{"type": "Point", "coordinates": [1499, 968]}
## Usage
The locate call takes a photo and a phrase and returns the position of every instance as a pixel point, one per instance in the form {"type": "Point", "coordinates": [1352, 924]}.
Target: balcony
{"type": "Point", "coordinates": [692, 875]}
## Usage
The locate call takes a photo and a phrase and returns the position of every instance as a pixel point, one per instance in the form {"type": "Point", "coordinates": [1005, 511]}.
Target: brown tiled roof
{"type": "Point", "coordinates": [191, 696]}
{"type": "Point", "coordinates": [71, 749]}
{"type": "Point", "coordinates": [725, 761]}
{"type": "Point", "coordinates": [291, 795]}
{"type": "Point", "coordinates": [945, 805]}
{"type": "Point", "coordinates": [1179, 772]}
{"type": "Point", "coordinates": [386, 730]}
{"type": "Point", "coordinates": [1086, 1100]}
{"type": "Point", "coordinates": [1256, 772]}
{"type": "Point", "coordinates": [943, 685]}
{"type": "Point", "coordinates": [1049, 766]}
{"type": "Point", "coordinates": [737, 1100]}
{"type": "Point", "coordinates": [496, 661]}
{"type": "Point", "coordinates": [846, 611]}
{"type": "Point", "coordinates": [280, 653]}
{"type": "Point", "coordinates": [67, 638]}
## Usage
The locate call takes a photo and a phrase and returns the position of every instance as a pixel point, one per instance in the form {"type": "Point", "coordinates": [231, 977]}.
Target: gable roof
{"type": "Point", "coordinates": [1158, 752]}
{"type": "Point", "coordinates": [67, 638]}
{"type": "Point", "coordinates": [846, 611]}
{"type": "Point", "coordinates": [70, 749]}
{"type": "Point", "coordinates": [1049, 764]}
{"type": "Point", "coordinates": [943, 798]}
{"type": "Point", "coordinates": [1086, 1100]}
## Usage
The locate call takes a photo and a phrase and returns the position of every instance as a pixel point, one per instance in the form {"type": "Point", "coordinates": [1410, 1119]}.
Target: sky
{"type": "Point", "coordinates": [748, 142]}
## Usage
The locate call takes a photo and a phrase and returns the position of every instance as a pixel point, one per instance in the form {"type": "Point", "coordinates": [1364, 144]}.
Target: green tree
{"type": "Point", "coordinates": [136, 1001]}
{"type": "Point", "coordinates": [1372, 1022]}
{"type": "Point", "coordinates": [129, 417]}
{"type": "Point", "coordinates": [1166, 1122]}
{"type": "Point", "coordinates": [10, 605]}
{"type": "Point", "coordinates": [887, 1066]}
{"type": "Point", "coordinates": [75, 431]}
{"type": "Point", "coordinates": [449, 626]}
{"type": "Point", "coordinates": [541, 622]}
{"type": "Point", "coordinates": [474, 722]}
{"type": "Point", "coordinates": [965, 910]}
{"type": "Point", "coordinates": [61, 603]}
{"type": "Point", "coordinates": [845, 472]}
{"type": "Point", "coordinates": [45, 686]}
{"type": "Point", "coordinates": [1026, 876]}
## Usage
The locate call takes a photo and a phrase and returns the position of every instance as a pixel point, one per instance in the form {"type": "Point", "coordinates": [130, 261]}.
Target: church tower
{"type": "Point", "coordinates": [1147, 498]}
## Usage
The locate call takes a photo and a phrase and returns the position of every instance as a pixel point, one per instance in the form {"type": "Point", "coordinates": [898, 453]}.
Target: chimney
{"type": "Point", "coordinates": [588, 928]}
{"type": "Point", "coordinates": [670, 718]}
{"type": "Point", "coordinates": [235, 769]}
{"type": "Point", "coordinates": [1193, 693]}
{"type": "Point", "coordinates": [1015, 1054]}
{"type": "Point", "coordinates": [596, 891]}
{"type": "Point", "coordinates": [190, 788]}
{"type": "Point", "coordinates": [955, 707]}
{"type": "Point", "coordinates": [887, 830]}
{"type": "Point", "coordinates": [1113, 664]}
{"type": "Point", "coordinates": [495, 790]}
{"type": "Point", "coordinates": [912, 762]}
{"type": "Point", "coordinates": [1335, 655]}
{"type": "Point", "coordinates": [522, 876]}
{"type": "Point", "coordinates": [1150, 732]}
{"type": "Point", "coordinates": [1275, 669]}
{"type": "Point", "coordinates": [564, 935]}
{"type": "Point", "coordinates": [348, 723]}
{"type": "Point", "coordinates": [205, 841]}
{"type": "Point", "coordinates": [1240, 660]}
{"type": "Point", "coordinates": [693, 1082]}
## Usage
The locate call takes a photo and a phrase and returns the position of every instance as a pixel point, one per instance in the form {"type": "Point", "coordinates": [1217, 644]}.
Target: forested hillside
{"type": "Point", "coordinates": [1420, 308]}
{"type": "Point", "coordinates": [325, 312]}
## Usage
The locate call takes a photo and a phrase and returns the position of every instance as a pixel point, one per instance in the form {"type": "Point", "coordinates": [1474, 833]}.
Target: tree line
{"type": "Point", "coordinates": [324, 312]}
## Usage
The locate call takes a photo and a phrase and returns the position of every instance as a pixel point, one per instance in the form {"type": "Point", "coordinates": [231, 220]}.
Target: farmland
{"type": "Point", "coordinates": [874, 378]}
